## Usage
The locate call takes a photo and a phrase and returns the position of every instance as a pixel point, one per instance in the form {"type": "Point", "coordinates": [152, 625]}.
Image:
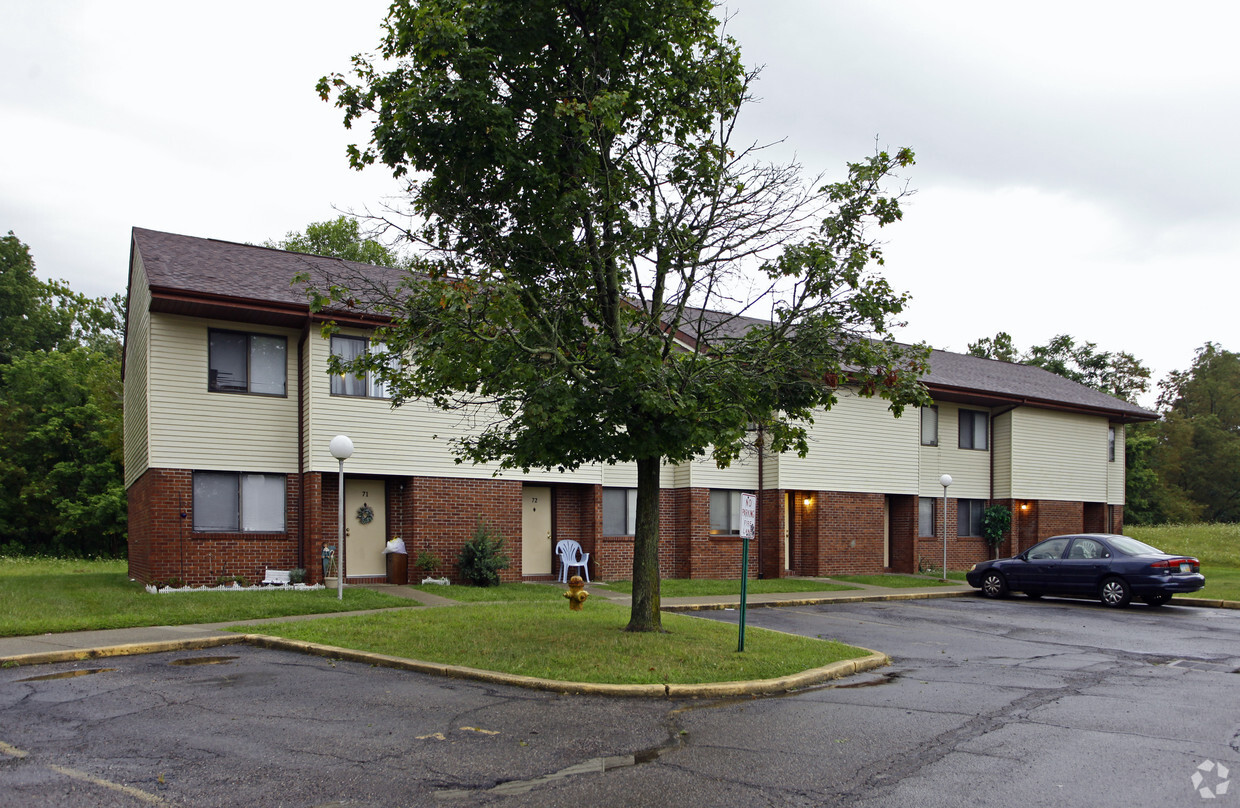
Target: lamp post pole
{"type": "Point", "coordinates": [341, 449]}
{"type": "Point", "coordinates": [945, 481]}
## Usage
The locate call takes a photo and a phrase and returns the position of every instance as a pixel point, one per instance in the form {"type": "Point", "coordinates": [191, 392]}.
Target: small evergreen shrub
{"type": "Point", "coordinates": [995, 522]}
{"type": "Point", "coordinates": [483, 556]}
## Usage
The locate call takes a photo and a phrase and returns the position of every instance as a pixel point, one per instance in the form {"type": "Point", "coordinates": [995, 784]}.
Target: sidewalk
{"type": "Point", "coordinates": [74, 645]}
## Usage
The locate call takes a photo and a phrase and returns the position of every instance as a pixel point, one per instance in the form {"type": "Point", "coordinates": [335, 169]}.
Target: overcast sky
{"type": "Point", "coordinates": [1077, 164]}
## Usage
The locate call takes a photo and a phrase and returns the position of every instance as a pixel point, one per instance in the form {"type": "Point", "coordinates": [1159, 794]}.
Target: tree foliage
{"type": "Point", "coordinates": [1197, 449]}
{"type": "Point", "coordinates": [1117, 374]}
{"type": "Point", "coordinates": [61, 486]}
{"type": "Point", "coordinates": [607, 276]}
{"type": "Point", "coordinates": [339, 238]}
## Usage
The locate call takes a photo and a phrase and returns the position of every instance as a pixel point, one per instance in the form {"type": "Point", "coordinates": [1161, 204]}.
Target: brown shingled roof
{"type": "Point", "coordinates": [209, 277]}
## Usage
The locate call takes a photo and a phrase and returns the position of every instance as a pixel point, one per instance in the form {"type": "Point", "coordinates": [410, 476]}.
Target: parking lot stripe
{"type": "Point", "coordinates": [136, 793]}
{"type": "Point", "coordinates": [12, 751]}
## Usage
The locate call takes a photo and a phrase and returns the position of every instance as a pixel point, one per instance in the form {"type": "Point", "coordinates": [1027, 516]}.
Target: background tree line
{"type": "Point", "coordinates": [61, 475]}
{"type": "Point", "coordinates": [1184, 467]}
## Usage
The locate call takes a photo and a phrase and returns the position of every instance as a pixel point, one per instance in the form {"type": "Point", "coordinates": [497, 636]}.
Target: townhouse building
{"type": "Point", "coordinates": [229, 411]}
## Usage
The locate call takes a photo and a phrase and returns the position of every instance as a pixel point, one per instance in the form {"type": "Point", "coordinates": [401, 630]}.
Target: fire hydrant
{"type": "Point", "coordinates": [576, 593]}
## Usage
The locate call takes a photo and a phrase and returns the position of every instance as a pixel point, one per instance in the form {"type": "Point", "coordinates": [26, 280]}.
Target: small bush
{"type": "Point", "coordinates": [428, 562]}
{"type": "Point", "coordinates": [995, 522]}
{"type": "Point", "coordinates": [297, 576]}
{"type": "Point", "coordinates": [483, 556]}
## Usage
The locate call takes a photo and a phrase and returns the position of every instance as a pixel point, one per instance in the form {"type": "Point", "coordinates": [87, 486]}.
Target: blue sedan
{"type": "Point", "coordinates": [1114, 569]}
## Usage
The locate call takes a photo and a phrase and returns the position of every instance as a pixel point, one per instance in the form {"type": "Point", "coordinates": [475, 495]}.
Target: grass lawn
{"type": "Point", "coordinates": [1217, 546]}
{"type": "Point", "coordinates": [896, 581]}
{"type": "Point", "coordinates": [41, 595]}
{"type": "Point", "coordinates": [503, 592]}
{"type": "Point", "coordinates": [700, 587]}
{"type": "Point", "coordinates": [550, 641]}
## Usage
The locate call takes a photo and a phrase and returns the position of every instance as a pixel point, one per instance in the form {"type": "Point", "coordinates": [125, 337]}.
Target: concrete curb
{"type": "Point", "coordinates": [706, 607]}
{"type": "Point", "coordinates": [757, 687]}
{"type": "Point", "coordinates": [129, 649]}
{"type": "Point", "coordinates": [1209, 602]}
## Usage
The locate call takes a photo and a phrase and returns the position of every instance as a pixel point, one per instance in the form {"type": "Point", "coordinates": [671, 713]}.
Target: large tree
{"type": "Point", "coordinates": [1119, 374]}
{"type": "Point", "coordinates": [61, 486]}
{"type": "Point", "coordinates": [1198, 452]}
{"type": "Point", "coordinates": [341, 237]}
{"type": "Point", "coordinates": [606, 274]}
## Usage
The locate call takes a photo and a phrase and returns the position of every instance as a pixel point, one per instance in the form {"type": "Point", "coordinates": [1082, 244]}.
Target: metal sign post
{"type": "Point", "coordinates": [749, 518]}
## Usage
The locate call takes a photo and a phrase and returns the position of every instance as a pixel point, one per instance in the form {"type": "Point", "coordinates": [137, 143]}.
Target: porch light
{"type": "Point", "coordinates": [808, 501]}
{"type": "Point", "coordinates": [342, 449]}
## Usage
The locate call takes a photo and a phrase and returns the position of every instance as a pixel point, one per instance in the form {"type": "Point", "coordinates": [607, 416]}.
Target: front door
{"type": "Point", "coordinates": [365, 519]}
{"type": "Point", "coordinates": [535, 530]}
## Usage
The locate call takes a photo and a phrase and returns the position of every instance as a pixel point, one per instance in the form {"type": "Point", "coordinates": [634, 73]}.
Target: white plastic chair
{"type": "Point", "coordinates": [570, 555]}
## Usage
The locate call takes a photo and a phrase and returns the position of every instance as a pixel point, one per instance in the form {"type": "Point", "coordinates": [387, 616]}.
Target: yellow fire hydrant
{"type": "Point", "coordinates": [576, 593]}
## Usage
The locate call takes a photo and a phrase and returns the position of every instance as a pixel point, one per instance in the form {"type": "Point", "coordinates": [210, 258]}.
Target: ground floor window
{"type": "Point", "coordinates": [725, 513]}
{"type": "Point", "coordinates": [969, 516]}
{"type": "Point", "coordinates": [925, 516]}
{"type": "Point", "coordinates": [619, 511]}
{"type": "Point", "coordinates": [238, 502]}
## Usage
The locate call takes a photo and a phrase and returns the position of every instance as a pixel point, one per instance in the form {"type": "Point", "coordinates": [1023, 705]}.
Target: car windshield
{"type": "Point", "coordinates": [1132, 547]}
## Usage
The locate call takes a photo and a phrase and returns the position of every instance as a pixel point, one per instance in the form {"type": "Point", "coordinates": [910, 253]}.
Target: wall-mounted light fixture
{"type": "Point", "coordinates": [808, 501]}
{"type": "Point", "coordinates": [1024, 506]}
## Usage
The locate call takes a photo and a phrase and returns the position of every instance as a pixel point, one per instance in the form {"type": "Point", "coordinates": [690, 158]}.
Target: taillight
{"type": "Point", "coordinates": [1177, 565]}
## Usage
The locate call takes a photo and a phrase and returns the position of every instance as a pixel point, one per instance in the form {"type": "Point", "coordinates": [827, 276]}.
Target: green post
{"type": "Point", "coordinates": [740, 646]}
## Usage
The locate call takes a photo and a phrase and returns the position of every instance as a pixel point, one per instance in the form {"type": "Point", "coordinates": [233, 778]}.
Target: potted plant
{"type": "Point", "coordinates": [329, 567]}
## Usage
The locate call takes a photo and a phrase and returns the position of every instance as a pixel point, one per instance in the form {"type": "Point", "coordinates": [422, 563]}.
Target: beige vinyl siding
{"type": "Point", "coordinates": [412, 439]}
{"type": "Point", "coordinates": [969, 468]}
{"type": "Point", "coordinates": [193, 428]}
{"type": "Point", "coordinates": [858, 445]}
{"type": "Point", "coordinates": [1059, 455]}
{"type": "Point", "coordinates": [1001, 447]}
{"type": "Point", "coordinates": [624, 475]}
{"type": "Point", "coordinates": [741, 475]}
{"type": "Point", "coordinates": [1117, 471]}
{"type": "Point", "coordinates": [137, 346]}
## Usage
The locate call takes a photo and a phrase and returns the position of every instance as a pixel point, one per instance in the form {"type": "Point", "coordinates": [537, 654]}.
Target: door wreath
{"type": "Point", "coordinates": [365, 514]}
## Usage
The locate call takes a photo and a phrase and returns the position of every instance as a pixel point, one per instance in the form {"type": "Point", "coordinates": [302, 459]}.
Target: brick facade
{"type": "Point", "coordinates": [829, 532]}
{"type": "Point", "coordinates": [163, 545]}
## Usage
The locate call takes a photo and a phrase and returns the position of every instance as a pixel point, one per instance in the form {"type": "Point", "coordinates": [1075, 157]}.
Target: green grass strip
{"type": "Point", "coordinates": [521, 593]}
{"type": "Point", "coordinates": [553, 642]}
{"type": "Point", "coordinates": [704, 587]}
{"type": "Point", "coordinates": [41, 595]}
{"type": "Point", "coordinates": [891, 581]}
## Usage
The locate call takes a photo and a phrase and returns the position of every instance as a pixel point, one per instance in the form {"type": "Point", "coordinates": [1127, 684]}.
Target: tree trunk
{"type": "Point", "coordinates": [644, 615]}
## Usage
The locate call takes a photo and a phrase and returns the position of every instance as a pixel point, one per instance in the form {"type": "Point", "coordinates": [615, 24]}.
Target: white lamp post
{"type": "Point", "coordinates": [945, 481]}
{"type": "Point", "coordinates": [342, 449]}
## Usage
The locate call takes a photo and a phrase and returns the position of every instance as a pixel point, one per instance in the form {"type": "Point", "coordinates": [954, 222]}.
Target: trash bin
{"type": "Point", "coordinates": [397, 568]}
{"type": "Point", "coordinates": [397, 561]}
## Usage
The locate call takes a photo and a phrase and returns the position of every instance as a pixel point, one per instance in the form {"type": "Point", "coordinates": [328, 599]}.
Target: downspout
{"type": "Point", "coordinates": [301, 449]}
{"type": "Point", "coordinates": [758, 510]}
{"type": "Point", "coordinates": [993, 416]}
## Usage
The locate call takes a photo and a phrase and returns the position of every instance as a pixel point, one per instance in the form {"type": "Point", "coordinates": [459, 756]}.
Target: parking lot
{"type": "Point", "coordinates": [987, 703]}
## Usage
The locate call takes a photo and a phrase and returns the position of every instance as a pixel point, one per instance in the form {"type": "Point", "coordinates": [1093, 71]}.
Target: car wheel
{"type": "Point", "coordinates": [1033, 595]}
{"type": "Point", "coordinates": [1115, 592]}
{"type": "Point", "coordinates": [994, 585]}
{"type": "Point", "coordinates": [1157, 600]}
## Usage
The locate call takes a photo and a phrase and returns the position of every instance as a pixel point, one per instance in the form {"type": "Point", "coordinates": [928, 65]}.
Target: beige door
{"type": "Point", "coordinates": [364, 543]}
{"type": "Point", "coordinates": [535, 530]}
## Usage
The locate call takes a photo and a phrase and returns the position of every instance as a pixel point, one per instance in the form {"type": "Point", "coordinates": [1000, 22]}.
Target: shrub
{"type": "Point", "coordinates": [428, 562]}
{"type": "Point", "coordinates": [483, 556]}
{"type": "Point", "coordinates": [297, 576]}
{"type": "Point", "coordinates": [995, 522]}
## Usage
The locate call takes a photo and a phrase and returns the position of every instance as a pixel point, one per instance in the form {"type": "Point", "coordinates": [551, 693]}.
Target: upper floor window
{"type": "Point", "coordinates": [974, 430]}
{"type": "Point", "coordinates": [725, 513]}
{"type": "Point", "coordinates": [930, 426]}
{"type": "Point", "coordinates": [1111, 445]}
{"type": "Point", "coordinates": [619, 511]}
{"type": "Point", "coordinates": [367, 385]}
{"type": "Point", "coordinates": [238, 502]}
{"type": "Point", "coordinates": [247, 363]}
